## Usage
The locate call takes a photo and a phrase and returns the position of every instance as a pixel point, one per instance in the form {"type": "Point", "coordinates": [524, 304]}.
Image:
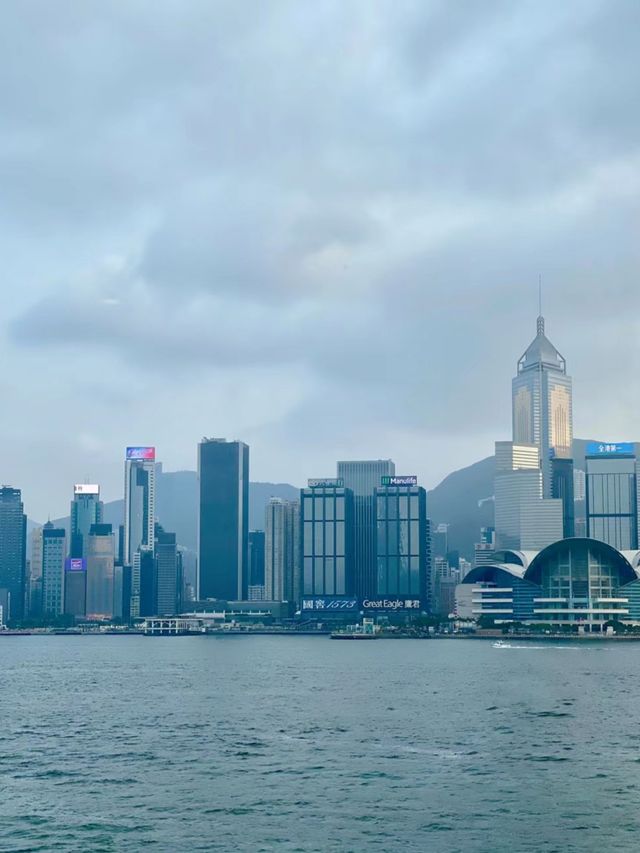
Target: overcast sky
{"type": "Point", "coordinates": [314, 226]}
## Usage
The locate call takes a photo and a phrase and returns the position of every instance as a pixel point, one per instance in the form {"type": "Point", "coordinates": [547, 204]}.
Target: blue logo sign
{"type": "Point", "coordinates": [605, 448]}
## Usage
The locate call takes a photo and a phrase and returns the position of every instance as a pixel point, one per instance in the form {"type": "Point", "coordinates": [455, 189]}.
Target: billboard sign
{"type": "Point", "coordinates": [326, 482]}
{"type": "Point", "coordinates": [607, 448]}
{"type": "Point", "coordinates": [141, 453]}
{"type": "Point", "coordinates": [391, 604]}
{"type": "Point", "coordinates": [330, 604]}
{"type": "Point", "coordinates": [75, 564]}
{"type": "Point", "coordinates": [410, 480]}
{"type": "Point", "coordinates": [86, 489]}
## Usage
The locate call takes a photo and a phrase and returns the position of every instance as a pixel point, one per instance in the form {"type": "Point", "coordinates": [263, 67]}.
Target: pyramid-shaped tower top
{"type": "Point", "coordinates": [541, 353]}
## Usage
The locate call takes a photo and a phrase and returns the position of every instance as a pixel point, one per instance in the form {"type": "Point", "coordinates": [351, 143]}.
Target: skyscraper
{"type": "Point", "coordinates": [13, 546]}
{"type": "Point", "coordinates": [223, 519]}
{"type": "Point", "coordinates": [542, 404]}
{"type": "Point", "coordinates": [54, 542]}
{"type": "Point", "coordinates": [612, 501]}
{"type": "Point", "coordinates": [139, 500]}
{"type": "Point", "coordinates": [99, 547]}
{"type": "Point", "coordinates": [401, 513]}
{"type": "Point", "coordinates": [86, 509]}
{"type": "Point", "coordinates": [256, 565]}
{"type": "Point", "coordinates": [282, 522]}
{"type": "Point", "coordinates": [362, 478]}
{"type": "Point", "coordinates": [327, 524]}
{"type": "Point", "coordinates": [523, 519]}
{"type": "Point", "coordinates": [167, 573]}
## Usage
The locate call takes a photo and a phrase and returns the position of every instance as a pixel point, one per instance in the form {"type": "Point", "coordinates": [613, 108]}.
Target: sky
{"type": "Point", "coordinates": [315, 227]}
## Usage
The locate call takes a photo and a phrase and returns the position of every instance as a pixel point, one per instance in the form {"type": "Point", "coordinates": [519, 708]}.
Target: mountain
{"type": "Point", "coordinates": [463, 500]}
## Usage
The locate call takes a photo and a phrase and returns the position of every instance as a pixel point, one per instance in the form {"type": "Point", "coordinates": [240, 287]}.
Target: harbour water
{"type": "Point", "coordinates": [300, 744]}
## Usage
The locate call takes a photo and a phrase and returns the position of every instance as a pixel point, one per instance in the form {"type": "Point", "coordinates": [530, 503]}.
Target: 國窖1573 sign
{"type": "Point", "coordinates": [410, 480]}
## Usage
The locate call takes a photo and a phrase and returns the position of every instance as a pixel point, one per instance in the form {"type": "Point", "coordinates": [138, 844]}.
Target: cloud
{"type": "Point", "coordinates": [340, 211]}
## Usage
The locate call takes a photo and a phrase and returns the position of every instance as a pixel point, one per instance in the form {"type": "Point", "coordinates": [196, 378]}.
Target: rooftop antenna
{"type": "Point", "coordinates": [540, 317]}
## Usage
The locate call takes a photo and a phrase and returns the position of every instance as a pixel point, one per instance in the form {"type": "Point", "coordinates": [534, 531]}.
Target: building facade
{"type": "Point", "coordinates": [582, 582]}
{"type": "Point", "coordinates": [54, 551]}
{"type": "Point", "coordinates": [327, 524]}
{"type": "Point", "coordinates": [13, 546]}
{"type": "Point", "coordinates": [86, 510]}
{"type": "Point", "coordinates": [542, 404]}
{"type": "Point", "coordinates": [139, 501]}
{"type": "Point", "coordinates": [612, 494]}
{"type": "Point", "coordinates": [362, 478]}
{"type": "Point", "coordinates": [401, 546]}
{"type": "Point", "coordinates": [100, 558]}
{"type": "Point", "coordinates": [281, 561]}
{"type": "Point", "coordinates": [223, 520]}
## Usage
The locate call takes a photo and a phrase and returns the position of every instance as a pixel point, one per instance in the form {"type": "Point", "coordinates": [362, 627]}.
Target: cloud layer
{"type": "Point", "coordinates": [315, 227]}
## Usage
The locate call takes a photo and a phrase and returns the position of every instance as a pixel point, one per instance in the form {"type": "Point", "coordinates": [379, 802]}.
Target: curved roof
{"type": "Point", "coordinates": [529, 562]}
{"type": "Point", "coordinates": [541, 353]}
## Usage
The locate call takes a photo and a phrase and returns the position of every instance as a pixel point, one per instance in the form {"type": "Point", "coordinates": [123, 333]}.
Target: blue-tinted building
{"type": "Point", "coordinates": [612, 510]}
{"type": "Point", "coordinates": [402, 541]}
{"type": "Point", "coordinates": [327, 541]}
{"type": "Point", "coordinates": [578, 581]}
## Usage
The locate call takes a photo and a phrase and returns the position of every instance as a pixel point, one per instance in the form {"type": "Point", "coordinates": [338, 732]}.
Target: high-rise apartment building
{"type": "Point", "coordinates": [327, 524]}
{"type": "Point", "coordinates": [54, 551]}
{"type": "Point", "coordinates": [542, 404]}
{"type": "Point", "coordinates": [139, 501]}
{"type": "Point", "coordinates": [13, 546]}
{"type": "Point", "coordinates": [362, 478]}
{"type": "Point", "coordinates": [86, 510]}
{"type": "Point", "coordinates": [281, 563]}
{"type": "Point", "coordinates": [99, 548]}
{"type": "Point", "coordinates": [612, 494]}
{"type": "Point", "coordinates": [223, 520]}
{"type": "Point", "coordinates": [35, 573]}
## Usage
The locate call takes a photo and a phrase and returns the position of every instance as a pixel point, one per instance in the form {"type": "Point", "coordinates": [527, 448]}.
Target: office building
{"type": "Point", "coordinates": [139, 501]}
{"type": "Point", "coordinates": [86, 510]}
{"type": "Point", "coordinates": [562, 489]}
{"type": "Point", "coordinates": [54, 550]}
{"type": "Point", "coordinates": [542, 404]}
{"type": "Point", "coordinates": [484, 550]}
{"type": "Point", "coordinates": [75, 585]}
{"type": "Point", "coordinates": [256, 565]}
{"type": "Point", "coordinates": [168, 574]}
{"type": "Point", "coordinates": [579, 485]}
{"type": "Point", "coordinates": [522, 518]}
{"type": "Point", "coordinates": [327, 524]}
{"type": "Point", "coordinates": [612, 499]}
{"type": "Point", "coordinates": [281, 561]}
{"type": "Point", "coordinates": [13, 558]}
{"type": "Point", "coordinates": [401, 552]}
{"type": "Point", "coordinates": [223, 522]}
{"type": "Point", "coordinates": [440, 540]}
{"type": "Point", "coordinates": [362, 478]}
{"type": "Point", "coordinates": [99, 548]}
{"type": "Point", "coordinates": [35, 573]}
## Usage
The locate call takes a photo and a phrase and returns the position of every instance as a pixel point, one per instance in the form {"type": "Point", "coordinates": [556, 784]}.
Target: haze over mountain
{"type": "Point", "coordinates": [462, 500]}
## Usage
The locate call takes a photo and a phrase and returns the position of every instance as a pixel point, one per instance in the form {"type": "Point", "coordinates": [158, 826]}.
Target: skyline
{"type": "Point", "coordinates": [318, 233]}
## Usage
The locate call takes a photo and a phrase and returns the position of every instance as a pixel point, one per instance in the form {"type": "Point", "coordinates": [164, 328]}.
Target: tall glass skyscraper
{"type": "Point", "coordinates": [223, 520]}
{"type": "Point", "coordinates": [362, 478]}
{"type": "Point", "coordinates": [54, 541]}
{"type": "Point", "coordinates": [282, 526]}
{"type": "Point", "coordinates": [542, 404]}
{"type": "Point", "coordinates": [139, 501]}
{"type": "Point", "coordinates": [327, 523]}
{"type": "Point", "coordinates": [86, 509]}
{"type": "Point", "coordinates": [13, 546]}
{"type": "Point", "coordinates": [612, 508]}
{"type": "Point", "coordinates": [402, 542]}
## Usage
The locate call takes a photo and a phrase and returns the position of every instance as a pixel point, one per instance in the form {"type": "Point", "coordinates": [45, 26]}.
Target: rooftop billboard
{"type": "Point", "coordinates": [141, 453]}
{"type": "Point", "coordinates": [86, 489]}
{"type": "Point", "coordinates": [607, 448]}
{"type": "Point", "coordinates": [75, 564]}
